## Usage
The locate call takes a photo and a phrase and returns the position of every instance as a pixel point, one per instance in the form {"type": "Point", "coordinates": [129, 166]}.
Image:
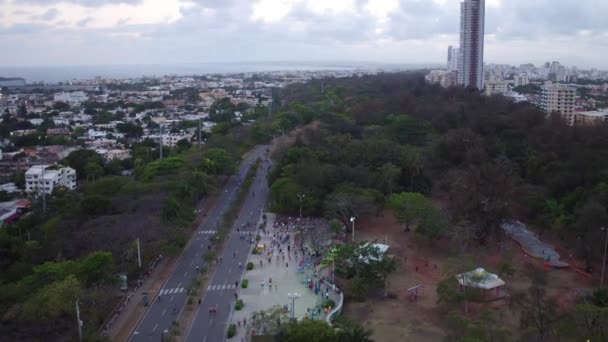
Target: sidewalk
{"type": "Point", "coordinates": [285, 281]}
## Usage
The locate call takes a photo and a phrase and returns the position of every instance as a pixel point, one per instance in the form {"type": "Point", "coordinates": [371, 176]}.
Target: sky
{"type": "Point", "coordinates": [93, 32]}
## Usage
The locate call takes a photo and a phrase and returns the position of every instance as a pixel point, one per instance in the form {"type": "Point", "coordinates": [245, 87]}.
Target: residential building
{"type": "Point", "coordinates": [559, 98]}
{"type": "Point", "coordinates": [453, 58]}
{"type": "Point", "coordinates": [172, 139]}
{"type": "Point", "coordinates": [444, 78]}
{"type": "Point", "coordinates": [46, 178]}
{"type": "Point", "coordinates": [590, 118]}
{"type": "Point", "coordinates": [470, 61]}
{"type": "Point", "coordinates": [494, 87]}
{"type": "Point", "coordinates": [521, 80]}
{"type": "Point", "coordinates": [76, 97]}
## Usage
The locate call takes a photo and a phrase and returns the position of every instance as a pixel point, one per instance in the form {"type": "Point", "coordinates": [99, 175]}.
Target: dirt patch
{"type": "Point", "coordinates": [421, 263]}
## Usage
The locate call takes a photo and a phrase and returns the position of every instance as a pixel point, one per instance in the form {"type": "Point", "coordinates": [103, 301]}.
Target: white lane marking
{"type": "Point", "coordinates": [205, 339]}
{"type": "Point", "coordinates": [164, 311]}
{"type": "Point", "coordinates": [156, 326]}
{"type": "Point", "coordinates": [171, 300]}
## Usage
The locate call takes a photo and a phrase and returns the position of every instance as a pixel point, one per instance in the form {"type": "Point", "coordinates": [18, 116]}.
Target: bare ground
{"type": "Point", "coordinates": [423, 320]}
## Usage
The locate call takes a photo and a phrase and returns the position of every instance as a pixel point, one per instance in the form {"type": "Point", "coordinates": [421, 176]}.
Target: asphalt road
{"type": "Point", "coordinates": [212, 328]}
{"type": "Point", "coordinates": [173, 293]}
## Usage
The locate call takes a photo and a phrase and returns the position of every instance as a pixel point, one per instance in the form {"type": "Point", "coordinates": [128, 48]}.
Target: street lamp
{"type": "Point", "coordinates": [604, 261]}
{"type": "Point", "coordinates": [301, 196]}
{"type": "Point", "coordinates": [293, 297]}
{"type": "Point", "coordinates": [352, 220]}
{"type": "Point", "coordinates": [163, 334]}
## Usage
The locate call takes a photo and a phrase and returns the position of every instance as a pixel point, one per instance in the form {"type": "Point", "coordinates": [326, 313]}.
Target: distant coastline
{"type": "Point", "coordinates": [56, 74]}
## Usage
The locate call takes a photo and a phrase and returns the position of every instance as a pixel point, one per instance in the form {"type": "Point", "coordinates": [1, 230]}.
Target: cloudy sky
{"type": "Point", "coordinates": [59, 32]}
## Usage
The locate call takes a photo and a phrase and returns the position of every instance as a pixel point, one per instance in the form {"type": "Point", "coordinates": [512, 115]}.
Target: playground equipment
{"type": "Point", "coordinates": [413, 292]}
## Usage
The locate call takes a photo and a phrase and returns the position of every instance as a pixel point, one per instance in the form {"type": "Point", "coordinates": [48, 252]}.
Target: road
{"type": "Point", "coordinates": [221, 289]}
{"type": "Point", "coordinates": [173, 294]}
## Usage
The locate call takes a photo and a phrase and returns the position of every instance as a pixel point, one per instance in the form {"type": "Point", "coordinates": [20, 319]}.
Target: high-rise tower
{"type": "Point", "coordinates": [470, 63]}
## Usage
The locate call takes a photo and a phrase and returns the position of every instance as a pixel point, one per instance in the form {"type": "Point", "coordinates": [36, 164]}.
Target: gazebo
{"type": "Point", "coordinates": [490, 285]}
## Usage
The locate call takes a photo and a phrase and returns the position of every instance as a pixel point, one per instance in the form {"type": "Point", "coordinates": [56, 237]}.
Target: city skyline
{"type": "Point", "coordinates": [88, 32]}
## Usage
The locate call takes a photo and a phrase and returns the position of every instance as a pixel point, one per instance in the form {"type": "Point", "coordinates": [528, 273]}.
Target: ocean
{"type": "Point", "coordinates": [56, 74]}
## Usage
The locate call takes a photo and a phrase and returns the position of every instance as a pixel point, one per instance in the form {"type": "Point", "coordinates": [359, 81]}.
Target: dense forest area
{"type": "Point", "coordinates": [482, 159]}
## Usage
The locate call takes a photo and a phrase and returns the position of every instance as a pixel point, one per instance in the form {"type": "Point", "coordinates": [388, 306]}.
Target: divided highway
{"type": "Point", "coordinates": [220, 292]}
{"type": "Point", "coordinates": [173, 293]}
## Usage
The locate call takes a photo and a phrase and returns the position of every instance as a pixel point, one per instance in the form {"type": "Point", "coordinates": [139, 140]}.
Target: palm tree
{"type": "Point", "coordinates": [349, 331]}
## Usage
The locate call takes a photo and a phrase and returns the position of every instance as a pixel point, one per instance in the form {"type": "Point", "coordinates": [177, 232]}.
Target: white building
{"type": "Point", "coordinates": [76, 97]}
{"type": "Point", "coordinates": [172, 139]}
{"type": "Point", "coordinates": [46, 178]}
{"type": "Point", "coordinates": [521, 80]}
{"type": "Point", "coordinates": [453, 54]}
{"type": "Point", "coordinates": [470, 62]}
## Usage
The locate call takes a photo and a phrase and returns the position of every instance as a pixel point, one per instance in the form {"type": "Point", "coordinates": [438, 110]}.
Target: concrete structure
{"type": "Point", "coordinates": [45, 178]}
{"type": "Point", "coordinates": [444, 78]}
{"type": "Point", "coordinates": [172, 139]}
{"type": "Point", "coordinates": [496, 87]}
{"type": "Point", "coordinates": [470, 63]}
{"type": "Point", "coordinates": [453, 54]}
{"type": "Point", "coordinates": [559, 98]}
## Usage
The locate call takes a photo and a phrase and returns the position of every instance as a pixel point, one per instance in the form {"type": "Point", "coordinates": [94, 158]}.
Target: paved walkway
{"type": "Point", "coordinates": [531, 244]}
{"type": "Point", "coordinates": [260, 296]}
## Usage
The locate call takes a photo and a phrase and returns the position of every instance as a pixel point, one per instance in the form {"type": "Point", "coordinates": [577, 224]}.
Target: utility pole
{"type": "Point", "coordinates": [138, 253]}
{"type": "Point", "coordinates": [352, 219]}
{"type": "Point", "coordinates": [604, 260]}
{"type": "Point", "coordinates": [78, 321]}
{"type": "Point", "coordinates": [301, 196]}
{"type": "Point", "coordinates": [43, 191]}
{"type": "Point", "coordinates": [199, 133]}
{"type": "Point", "coordinates": [161, 141]}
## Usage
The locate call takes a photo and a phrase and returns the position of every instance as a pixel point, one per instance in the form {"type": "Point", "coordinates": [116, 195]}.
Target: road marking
{"type": "Point", "coordinates": [171, 300]}
{"type": "Point", "coordinates": [186, 274]}
{"type": "Point", "coordinates": [164, 311]}
{"type": "Point", "coordinates": [156, 326]}
{"type": "Point", "coordinates": [205, 339]}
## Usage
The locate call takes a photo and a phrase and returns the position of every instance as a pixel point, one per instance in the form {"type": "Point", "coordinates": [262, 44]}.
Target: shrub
{"type": "Point", "coordinates": [189, 300]}
{"type": "Point", "coordinates": [245, 283]}
{"type": "Point", "coordinates": [258, 237]}
{"type": "Point", "coordinates": [239, 305]}
{"type": "Point", "coordinates": [231, 330]}
{"type": "Point", "coordinates": [329, 302]}
{"type": "Point", "coordinates": [249, 266]}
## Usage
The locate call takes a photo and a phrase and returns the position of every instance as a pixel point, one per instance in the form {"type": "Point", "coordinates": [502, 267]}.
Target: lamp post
{"type": "Point", "coordinates": [301, 196]}
{"type": "Point", "coordinates": [352, 220]}
{"type": "Point", "coordinates": [163, 334]}
{"type": "Point", "coordinates": [293, 297]}
{"type": "Point", "coordinates": [604, 260]}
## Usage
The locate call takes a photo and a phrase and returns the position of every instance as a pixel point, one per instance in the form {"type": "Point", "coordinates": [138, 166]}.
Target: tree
{"type": "Point", "coordinates": [347, 201]}
{"type": "Point", "coordinates": [183, 145]}
{"type": "Point", "coordinates": [409, 207]}
{"type": "Point", "coordinates": [388, 174]}
{"type": "Point", "coordinates": [414, 163]}
{"type": "Point", "coordinates": [365, 266]}
{"type": "Point", "coordinates": [93, 170]}
{"type": "Point", "coordinates": [349, 331]}
{"type": "Point", "coordinates": [79, 160]}
{"type": "Point", "coordinates": [538, 312]}
{"type": "Point", "coordinates": [307, 330]}
{"type": "Point", "coordinates": [217, 161]}
{"type": "Point", "coordinates": [52, 301]}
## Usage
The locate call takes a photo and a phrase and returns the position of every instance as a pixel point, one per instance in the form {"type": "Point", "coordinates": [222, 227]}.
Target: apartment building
{"type": "Point", "coordinates": [559, 98]}
{"type": "Point", "coordinates": [472, 27]}
{"type": "Point", "coordinates": [46, 178]}
{"type": "Point", "coordinates": [495, 87]}
{"type": "Point", "coordinates": [444, 78]}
